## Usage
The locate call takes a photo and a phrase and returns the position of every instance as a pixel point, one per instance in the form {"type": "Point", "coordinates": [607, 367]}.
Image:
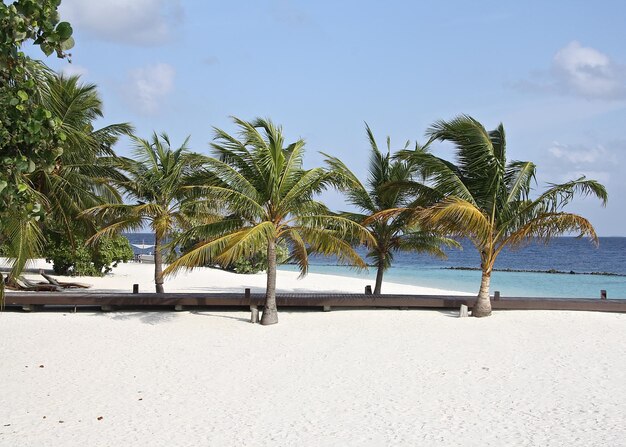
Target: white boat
{"type": "Point", "coordinates": [147, 259]}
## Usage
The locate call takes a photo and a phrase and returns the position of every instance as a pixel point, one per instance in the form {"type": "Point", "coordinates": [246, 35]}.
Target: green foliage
{"type": "Point", "coordinates": [390, 188]}
{"type": "Point", "coordinates": [261, 185]}
{"type": "Point", "coordinates": [29, 134]}
{"type": "Point", "coordinates": [82, 173]}
{"type": "Point", "coordinates": [30, 137]}
{"type": "Point", "coordinates": [487, 198]}
{"type": "Point", "coordinates": [160, 180]}
{"type": "Point", "coordinates": [257, 262]}
{"type": "Point", "coordinates": [87, 260]}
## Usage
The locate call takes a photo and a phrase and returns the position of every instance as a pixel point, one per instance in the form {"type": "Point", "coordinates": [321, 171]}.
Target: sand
{"type": "Point", "coordinates": [346, 377]}
{"type": "Point", "coordinates": [122, 278]}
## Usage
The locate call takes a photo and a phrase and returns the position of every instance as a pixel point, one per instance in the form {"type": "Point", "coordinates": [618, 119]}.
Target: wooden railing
{"type": "Point", "coordinates": [109, 301]}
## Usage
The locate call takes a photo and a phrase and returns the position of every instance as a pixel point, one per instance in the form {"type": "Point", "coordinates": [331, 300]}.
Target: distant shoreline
{"type": "Point", "coordinates": [550, 271]}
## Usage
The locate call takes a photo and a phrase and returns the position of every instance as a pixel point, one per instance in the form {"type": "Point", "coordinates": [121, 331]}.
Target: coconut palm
{"type": "Point", "coordinates": [81, 176]}
{"type": "Point", "coordinates": [269, 199]}
{"type": "Point", "coordinates": [488, 199]}
{"type": "Point", "coordinates": [389, 186]}
{"type": "Point", "coordinates": [159, 180]}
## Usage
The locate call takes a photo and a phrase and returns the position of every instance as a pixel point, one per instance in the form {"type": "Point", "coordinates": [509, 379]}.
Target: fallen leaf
{"type": "Point", "coordinates": [100, 418]}
{"type": "Point", "coordinates": [41, 366]}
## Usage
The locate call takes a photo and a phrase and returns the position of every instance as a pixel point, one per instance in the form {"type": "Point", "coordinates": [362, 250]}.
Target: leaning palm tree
{"type": "Point", "coordinates": [159, 180]}
{"type": "Point", "coordinates": [269, 199]}
{"type": "Point", "coordinates": [488, 200]}
{"type": "Point", "coordinates": [389, 186]}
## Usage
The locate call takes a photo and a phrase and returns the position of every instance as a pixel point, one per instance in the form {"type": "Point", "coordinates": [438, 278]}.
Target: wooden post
{"type": "Point", "coordinates": [254, 309]}
{"type": "Point", "coordinates": [135, 288]}
{"type": "Point", "coordinates": [463, 311]}
{"type": "Point", "coordinates": [254, 313]}
{"type": "Point", "coordinates": [368, 290]}
{"type": "Point", "coordinates": [496, 295]}
{"type": "Point", "coordinates": [602, 294]}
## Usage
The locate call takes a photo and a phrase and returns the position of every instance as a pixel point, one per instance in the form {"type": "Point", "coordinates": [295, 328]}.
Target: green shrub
{"type": "Point", "coordinates": [87, 260]}
{"type": "Point", "coordinates": [258, 261]}
{"type": "Point", "coordinates": [253, 264]}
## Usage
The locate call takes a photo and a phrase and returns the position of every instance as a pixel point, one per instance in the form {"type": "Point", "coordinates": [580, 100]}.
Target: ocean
{"type": "Point", "coordinates": [576, 258]}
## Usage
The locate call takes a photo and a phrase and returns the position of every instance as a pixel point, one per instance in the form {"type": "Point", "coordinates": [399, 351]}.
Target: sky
{"type": "Point", "coordinates": [554, 73]}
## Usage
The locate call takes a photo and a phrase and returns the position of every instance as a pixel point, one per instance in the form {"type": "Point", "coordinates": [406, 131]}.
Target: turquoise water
{"type": "Point", "coordinates": [566, 254]}
{"type": "Point", "coordinates": [524, 284]}
{"type": "Point", "coordinates": [562, 254]}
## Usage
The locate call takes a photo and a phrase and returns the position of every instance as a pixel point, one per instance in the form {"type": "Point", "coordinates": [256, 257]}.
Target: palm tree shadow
{"type": "Point", "coordinates": [217, 315]}
{"type": "Point", "coordinates": [449, 313]}
{"type": "Point", "coordinates": [147, 317]}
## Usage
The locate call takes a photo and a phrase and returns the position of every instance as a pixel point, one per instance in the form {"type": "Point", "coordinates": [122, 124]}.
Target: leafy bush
{"type": "Point", "coordinates": [253, 264]}
{"type": "Point", "coordinates": [87, 260]}
{"type": "Point", "coordinates": [258, 261]}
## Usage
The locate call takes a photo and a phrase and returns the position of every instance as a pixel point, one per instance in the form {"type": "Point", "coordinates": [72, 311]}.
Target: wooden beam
{"type": "Point", "coordinates": [95, 299]}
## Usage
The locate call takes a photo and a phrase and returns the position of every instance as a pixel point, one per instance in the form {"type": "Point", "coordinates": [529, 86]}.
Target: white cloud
{"type": "Point", "coordinates": [588, 72]}
{"type": "Point", "coordinates": [580, 71]}
{"type": "Point", "coordinates": [571, 162]}
{"type": "Point", "coordinates": [142, 22]}
{"type": "Point", "coordinates": [580, 155]}
{"type": "Point", "coordinates": [148, 86]}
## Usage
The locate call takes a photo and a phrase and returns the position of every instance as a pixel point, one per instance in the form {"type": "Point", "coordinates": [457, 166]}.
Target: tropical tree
{"type": "Point", "coordinates": [29, 134]}
{"type": "Point", "coordinates": [488, 199]}
{"type": "Point", "coordinates": [269, 199]}
{"type": "Point", "coordinates": [160, 180]}
{"type": "Point", "coordinates": [389, 187]}
{"type": "Point", "coordinates": [81, 176]}
{"type": "Point", "coordinates": [78, 178]}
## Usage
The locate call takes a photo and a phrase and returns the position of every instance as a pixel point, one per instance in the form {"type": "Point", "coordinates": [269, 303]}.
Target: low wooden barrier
{"type": "Point", "coordinates": [108, 301]}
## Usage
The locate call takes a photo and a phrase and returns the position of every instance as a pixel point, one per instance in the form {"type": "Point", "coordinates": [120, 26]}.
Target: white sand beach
{"type": "Point", "coordinates": [122, 278]}
{"type": "Point", "coordinates": [346, 377]}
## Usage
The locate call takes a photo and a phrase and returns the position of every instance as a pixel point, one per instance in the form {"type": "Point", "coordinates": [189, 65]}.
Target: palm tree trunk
{"type": "Point", "coordinates": [270, 312]}
{"type": "Point", "coordinates": [379, 278]}
{"type": "Point", "coordinates": [482, 308]}
{"type": "Point", "coordinates": [158, 265]}
{"type": "Point", "coordinates": [1, 291]}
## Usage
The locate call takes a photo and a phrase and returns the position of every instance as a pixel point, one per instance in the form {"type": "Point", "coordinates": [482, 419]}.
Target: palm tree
{"type": "Point", "coordinates": [487, 199]}
{"type": "Point", "coordinates": [389, 186]}
{"type": "Point", "coordinates": [80, 173]}
{"type": "Point", "coordinates": [159, 180]}
{"type": "Point", "coordinates": [269, 199]}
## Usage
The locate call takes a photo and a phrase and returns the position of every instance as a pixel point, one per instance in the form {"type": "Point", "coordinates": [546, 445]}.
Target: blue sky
{"type": "Point", "coordinates": [554, 73]}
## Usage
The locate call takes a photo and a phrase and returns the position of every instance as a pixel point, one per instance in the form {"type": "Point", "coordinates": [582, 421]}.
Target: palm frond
{"type": "Point", "coordinates": [548, 225]}
{"type": "Point", "coordinates": [458, 217]}
{"type": "Point", "coordinates": [224, 249]}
